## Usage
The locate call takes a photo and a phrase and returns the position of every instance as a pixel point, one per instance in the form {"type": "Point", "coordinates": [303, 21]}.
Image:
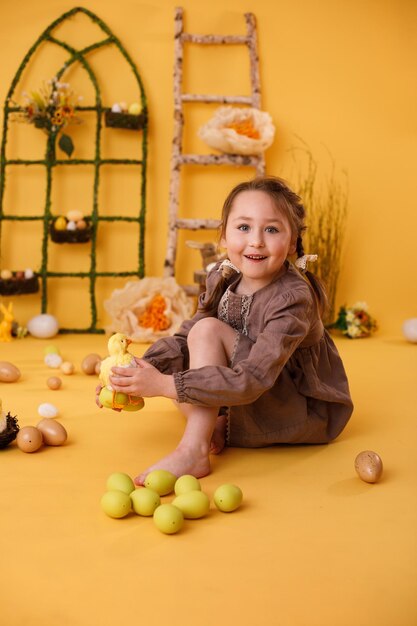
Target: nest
{"type": "Point", "coordinates": [72, 236]}
{"type": "Point", "coordinates": [16, 286]}
{"type": "Point", "coordinates": [124, 120]}
{"type": "Point", "coordinates": [8, 430]}
{"type": "Point", "coordinates": [244, 131]}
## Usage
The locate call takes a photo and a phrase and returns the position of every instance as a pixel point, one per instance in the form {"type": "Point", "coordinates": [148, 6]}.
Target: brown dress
{"type": "Point", "coordinates": [286, 382]}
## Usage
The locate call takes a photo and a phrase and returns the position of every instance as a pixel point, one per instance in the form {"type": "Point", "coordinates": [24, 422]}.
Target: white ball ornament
{"type": "Point", "coordinates": [410, 329]}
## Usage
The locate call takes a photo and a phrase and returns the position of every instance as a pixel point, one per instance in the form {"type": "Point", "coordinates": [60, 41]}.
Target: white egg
{"type": "Point", "coordinates": [71, 225]}
{"type": "Point", "coordinates": [410, 329]}
{"type": "Point", "coordinates": [116, 108]}
{"type": "Point", "coordinates": [29, 274]}
{"type": "Point", "coordinates": [47, 410]}
{"type": "Point", "coordinates": [43, 326]}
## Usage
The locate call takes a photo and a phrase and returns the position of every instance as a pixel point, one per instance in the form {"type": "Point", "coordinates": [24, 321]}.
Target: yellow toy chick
{"type": "Point", "coordinates": [118, 357]}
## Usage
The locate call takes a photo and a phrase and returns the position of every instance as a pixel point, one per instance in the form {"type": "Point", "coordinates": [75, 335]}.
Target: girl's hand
{"type": "Point", "coordinates": [144, 380]}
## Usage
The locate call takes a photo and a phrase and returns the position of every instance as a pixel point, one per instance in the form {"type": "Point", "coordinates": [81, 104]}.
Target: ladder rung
{"type": "Point", "coordinates": [197, 97]}
{"type": "Point", "coordinates": [196, 224]}
{"type": "Point", "coordinates": [214, 39]}
{"type": "Point", "coordinates": [218, 159]}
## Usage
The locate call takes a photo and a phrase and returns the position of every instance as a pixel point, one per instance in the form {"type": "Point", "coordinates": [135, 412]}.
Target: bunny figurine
{"type": "Point", "coordinates": [6, 323]}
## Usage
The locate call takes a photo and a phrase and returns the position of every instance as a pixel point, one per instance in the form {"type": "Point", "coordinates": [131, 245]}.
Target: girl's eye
{"type": "Point", "coordinates": [271, 229]}
{"type": "Point", "coordinates": [243, 227]}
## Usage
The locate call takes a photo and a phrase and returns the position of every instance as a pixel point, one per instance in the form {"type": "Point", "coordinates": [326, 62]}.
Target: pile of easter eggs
{"type": "Point", "coordinates": [73, 220]}
{"type": "Point", "coordinates": [122, 107]}
{"type": "Point", "coordinates": [190, 502]}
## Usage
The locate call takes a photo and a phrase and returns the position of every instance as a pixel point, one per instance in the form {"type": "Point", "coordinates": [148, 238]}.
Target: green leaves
{"type": "Point", "coordinates": [66, 145]}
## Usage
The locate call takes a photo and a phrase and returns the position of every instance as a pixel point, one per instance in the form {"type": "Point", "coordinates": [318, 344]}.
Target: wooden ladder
{"type": "Point", "coordinates": [178, 158]}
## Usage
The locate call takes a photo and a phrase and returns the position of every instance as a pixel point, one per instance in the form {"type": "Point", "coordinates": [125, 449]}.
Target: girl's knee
{"type": "Point", "coordinates": [208, 328]}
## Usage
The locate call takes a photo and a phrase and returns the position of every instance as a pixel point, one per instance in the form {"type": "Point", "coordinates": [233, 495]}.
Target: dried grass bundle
{"type": "Point", "coordinates": [326, 207]}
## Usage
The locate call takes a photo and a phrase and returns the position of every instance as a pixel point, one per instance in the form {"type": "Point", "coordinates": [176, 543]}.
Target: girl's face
{"type": "Point", "coordinates": [258, 239]}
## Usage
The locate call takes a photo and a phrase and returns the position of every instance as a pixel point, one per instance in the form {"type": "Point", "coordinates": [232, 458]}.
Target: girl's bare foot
{"type": "Point", "coordinates": [218, 439]}
{"type": "Point", "coordinates": [181, 461]}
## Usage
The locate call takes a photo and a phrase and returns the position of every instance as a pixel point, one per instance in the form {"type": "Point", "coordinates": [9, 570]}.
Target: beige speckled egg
{"type": "Point", "coordinates": [67, 368]}
{"type": "Point", "coordinates": [368, 466]}
{"type": "Point", "coordinates": [9, 373]}
{"type": "Point", "coordinates": [29, 439]}
{"type": "Point", "coordinates": [54, 434]}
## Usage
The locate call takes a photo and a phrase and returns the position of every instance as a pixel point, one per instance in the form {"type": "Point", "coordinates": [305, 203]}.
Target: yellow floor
{"type": "Point", "coordinates": [312, 545]}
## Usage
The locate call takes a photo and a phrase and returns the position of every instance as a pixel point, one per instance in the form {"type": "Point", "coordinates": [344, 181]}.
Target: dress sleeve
{"type": "Point", "coordinates": [287, 324]}
{"type": "Point", "coordinates": [170, 354]}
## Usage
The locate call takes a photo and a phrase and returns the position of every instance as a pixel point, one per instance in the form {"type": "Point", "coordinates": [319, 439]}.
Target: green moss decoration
{"type": "Point", "coordinates": [51, 161]}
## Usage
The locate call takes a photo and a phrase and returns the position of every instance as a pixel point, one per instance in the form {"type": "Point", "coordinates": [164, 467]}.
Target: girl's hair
{"type": "Point", "coordinates": [289, 204]}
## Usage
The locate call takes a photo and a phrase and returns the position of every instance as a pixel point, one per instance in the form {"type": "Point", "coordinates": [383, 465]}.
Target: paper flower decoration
{"type": "Point", "coordinates": [233, 130]}
{"type": "Point", "coordinates": [355, 321]}
{"type": "Point", "coordinates": [148, 309]}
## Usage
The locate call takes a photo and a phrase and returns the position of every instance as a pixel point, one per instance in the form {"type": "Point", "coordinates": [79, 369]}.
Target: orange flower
{"type": "Point", "coordinates": [245, 127]}
{"type": "Point", "coordinates": [154, 316]}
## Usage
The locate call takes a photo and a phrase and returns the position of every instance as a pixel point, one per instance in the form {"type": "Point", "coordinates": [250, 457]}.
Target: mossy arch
{"type": "Point", "coordinates": [50, 162]}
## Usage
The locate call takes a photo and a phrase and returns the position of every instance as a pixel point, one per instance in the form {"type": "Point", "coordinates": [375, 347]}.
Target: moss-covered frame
{"type": "Point", "coordinates": [50, 162]}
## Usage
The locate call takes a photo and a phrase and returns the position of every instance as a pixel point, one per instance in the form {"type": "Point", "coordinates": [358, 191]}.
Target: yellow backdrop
{"type": "Point", "coordinates": [337, 75]}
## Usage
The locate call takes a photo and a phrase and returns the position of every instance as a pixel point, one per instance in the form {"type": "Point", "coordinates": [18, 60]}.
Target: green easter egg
{"type": "Point", "coordinates": [145, 501]}
{"type": "Point", "coordinates": [193, 504]}
{"type": "Point", "coordinates": [228, 498]}
{"type": "Point", "coordinates": [161, 481]}
{"type": "Point", "coordinates": [120, 482]}
{"type": "Point", "coordinates": [116, 504]}
{"type": "Point", "coordinates": [168, 519]}
{"type": "Point", "coordinates": [186, 483]}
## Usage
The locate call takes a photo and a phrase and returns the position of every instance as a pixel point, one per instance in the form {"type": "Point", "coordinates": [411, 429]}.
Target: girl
{"type": "Point", "coordinates": [254, 366]}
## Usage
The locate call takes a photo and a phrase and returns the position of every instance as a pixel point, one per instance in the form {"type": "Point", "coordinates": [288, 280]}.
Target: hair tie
{"type": "Point", "coordinates": [227, 268]}
{"type": "Point", "coordinates": [301, 262]}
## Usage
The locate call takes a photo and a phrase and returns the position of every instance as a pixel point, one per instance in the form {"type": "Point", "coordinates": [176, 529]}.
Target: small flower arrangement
{"type": "Point", "coordinates": [355, 321]}
{"type": "Point", "coordinates": [51, 109]}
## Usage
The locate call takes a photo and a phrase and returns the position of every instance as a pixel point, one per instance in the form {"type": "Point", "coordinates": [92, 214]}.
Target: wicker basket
{"type": "Point", "coordinates": [124, 120]}
{"type": "Point", "coordinates": [9, 434]}
{"type": "Point", "coordinates": [19, 286]}
{"type": "Point", "coordinates": [71, 236]}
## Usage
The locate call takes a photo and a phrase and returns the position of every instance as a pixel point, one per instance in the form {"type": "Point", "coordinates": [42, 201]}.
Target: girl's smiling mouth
{"type": "Point", "coordinates": [255, 257]}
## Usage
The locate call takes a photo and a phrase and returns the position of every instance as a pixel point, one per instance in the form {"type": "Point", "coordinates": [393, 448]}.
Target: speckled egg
{"type": "Point", "coordinates": [54, 383]}
{"type": "Point", "coordinates": [53, 433]}
{"type": "Point", "coordinates": [9, 373]}
{"type": "Point", "coordinates": [368, 466]}
{"type": "Point", "coordinates": [29, 439]}
{"type": "Point", "coordinates": [89, 363]}
{"type": "Point", "coordinates": [67, 368]}
{"type": "Point", "coordinates": [43, 326]}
